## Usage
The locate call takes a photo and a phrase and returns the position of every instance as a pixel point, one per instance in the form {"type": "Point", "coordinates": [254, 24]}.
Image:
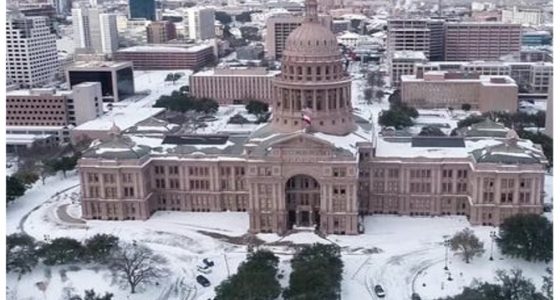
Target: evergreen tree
{"type": "Point", "coordinates": [21, 255]}
{"type": "Point", "coordinates": [431, 131]}
{"type": "Point", "coordinates": [27, 177]}
{"type": "Point", "coordinates": [14, 188]}
{"type": "Point", "coordinates": [256, 107]}
{"type": "Point", "coordinates": [510, 286]}
{"type": "Point", "coordinates": [468, 244]}
{"type": "Point", "coordinates": [528, 236]}
{"type": "Point", "coordinates": [368, 95]}
{"type": "Point", "coordinates": [316, 273]}
{"type": "Point", "coordinates": [548, 284]}
{"type": "Point", "coordinates": [61, 251]}
{"type": "Point", "coordinates": [255, 279]}
{"type": "Point", "coordinates": [379, 94]}
{"type": "Point", "coordinates": [67, 163]}
{"type": "Point", "coordinates": [100, 246]}
{"type": "Point", "coordinates": [395, 118]}
{"type": "Point", "coordinates": [91, 295]}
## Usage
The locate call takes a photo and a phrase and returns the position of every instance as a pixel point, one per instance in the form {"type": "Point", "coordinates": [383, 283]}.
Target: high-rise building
{"type": "Point", "coordinates": [31, 55]}
{"type": "Point", "coordinates": [199, 23]}
{"type": "Point", "coordinates": [523, 15]}
{"type": "Point", "coordinates": [109, 33]}
{"type": "Point", "coordinates": [437, 39]}
{"type": "Point", "coordinates": [408, 35]}
{"type": "Point", "coordinates": [117, 81]}
{"type": "Point", "coordinates": [161, 32]}
{"type": "Point", "coordinates": [145, 9]}
{"type": "Point", "coordinates": [94, 30]}
{"type": "Point", "coordinates": [466, 41]}
{"type": "Point", "coordinates": [279, 26]}
{"type": "Point", "coordinates": [277, 30]}
{"type": "Point", "coordinates": [549, 124]}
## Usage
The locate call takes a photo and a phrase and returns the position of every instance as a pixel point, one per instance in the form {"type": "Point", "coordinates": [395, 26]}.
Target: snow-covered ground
{"type": "Point", "coordinates": [404, 254]}
{"type": "Point", "coordinates": [401, 253]}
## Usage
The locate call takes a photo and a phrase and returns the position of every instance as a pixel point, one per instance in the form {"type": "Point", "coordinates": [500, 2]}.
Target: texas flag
{"type": "Point", "coordinates": [305, 116]}
{"type": "Point", "coordinates": [306, 119]}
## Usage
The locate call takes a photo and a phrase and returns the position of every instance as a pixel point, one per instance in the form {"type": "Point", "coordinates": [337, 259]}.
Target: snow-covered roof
{"type": "Point", "coordinates": [120, 147]}
{"type": "Point", "coordinates": [407, 54]}
{"type": "Point", "coordinates": [24, 139]}
{"type": "Point", "coordinates": [121, 118]}
{"type": "Point", "coordinates": [349, 35]}
{"type": "Point", "coordinates": [478, 148]}
{"type": "Point", "coordinates": [160, 48]}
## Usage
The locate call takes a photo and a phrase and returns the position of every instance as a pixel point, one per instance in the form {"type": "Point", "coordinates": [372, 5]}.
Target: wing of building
{"type": "Point", "coordinates": [325, 172]}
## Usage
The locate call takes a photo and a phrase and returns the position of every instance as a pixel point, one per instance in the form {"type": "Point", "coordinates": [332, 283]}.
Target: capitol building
{"type": "Point", "coordinates": [315, 164]}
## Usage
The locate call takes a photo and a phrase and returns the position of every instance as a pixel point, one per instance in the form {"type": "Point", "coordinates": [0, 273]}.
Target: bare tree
{"type": "Point", "coordinates": [368, 95]}
{"type": "Point", "coordinates": [468, 244]}
{"type": "Point", "coordinates": [379, 94]}
{"type": "Point", "coordinates": [137, 264]}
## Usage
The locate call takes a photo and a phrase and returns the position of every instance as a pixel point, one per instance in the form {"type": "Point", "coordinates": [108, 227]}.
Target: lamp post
{"type": "Point", "coordinates": [446, 243]}
{"type": "Point", "coordinates": [493, 237]}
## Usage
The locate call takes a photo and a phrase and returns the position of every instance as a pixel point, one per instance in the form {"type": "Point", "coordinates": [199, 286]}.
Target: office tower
{"type": "Point", "coordinates": [109, 33]}
{"type": "Point", "coordinates": [549, 124]}
{"type": "Point", "coordinates": [94, 30]}
{"type": "Point", "coordinates": [408, 35]}
{"type": "Point", "coordinates": [161, 32]}
{"type": "Point", "coordinates": [31, 55]}
{"type": "Point", "coordinates": [199, 23]}
{"type": "Point", "coordinates": [279, 26]}
{"type": "Point", "coordinates": [481, 40]}
{"type": "Point", "coordinates": [437, 42]}
{"type": "Point", "coordinates": [523, 15]}
{"type": "Point", "coordinates": [142, 9]}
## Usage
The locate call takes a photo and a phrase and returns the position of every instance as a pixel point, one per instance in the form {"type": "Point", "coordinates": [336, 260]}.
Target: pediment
{"type": "Point", "coordinates": [301, 140]}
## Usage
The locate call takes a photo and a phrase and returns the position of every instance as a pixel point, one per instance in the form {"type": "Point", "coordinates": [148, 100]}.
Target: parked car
{"type": "Point", "coordinates": [202, 281]}
{"type": "Point", "coordinates": [208, 262]}
{"type": "Point", "coordinates": [379, 291]}
{"type": "Point", "coordinates": [415, 296]}
{"type": "Point", "coordinates": [204, 269]}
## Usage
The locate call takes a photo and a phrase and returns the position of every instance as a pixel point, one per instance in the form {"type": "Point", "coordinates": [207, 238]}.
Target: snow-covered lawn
{"type": "Point", "coordinates": [412, 254]}
{"type": "Point", "coordinates": [401, 253]}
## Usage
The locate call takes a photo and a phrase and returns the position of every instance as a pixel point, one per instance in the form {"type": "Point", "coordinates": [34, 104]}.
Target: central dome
{"type": "Point", "coordinates": [311, 39]}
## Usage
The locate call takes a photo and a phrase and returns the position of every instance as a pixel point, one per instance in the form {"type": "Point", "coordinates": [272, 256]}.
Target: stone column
{"type": "Point", "coordinates": [516, 190]}
{"type": "Point", "coordinates": [497, 189]}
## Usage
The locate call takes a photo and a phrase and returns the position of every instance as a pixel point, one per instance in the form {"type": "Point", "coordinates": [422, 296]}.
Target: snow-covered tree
{"type": "Point", "coordinates": [136, 264]}
{"type": "Point", "coordinates": [467, 244]}
{"type": "Point", "coordinates": [21, 255]}
{"type": "Point", "coordinates": [61, 251]}
{"type": "Point", "coordinates": [100, 246]}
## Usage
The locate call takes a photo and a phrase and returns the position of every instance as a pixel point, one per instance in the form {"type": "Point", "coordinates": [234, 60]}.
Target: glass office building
{"type": "Point", "coordinates": [142, 9]}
